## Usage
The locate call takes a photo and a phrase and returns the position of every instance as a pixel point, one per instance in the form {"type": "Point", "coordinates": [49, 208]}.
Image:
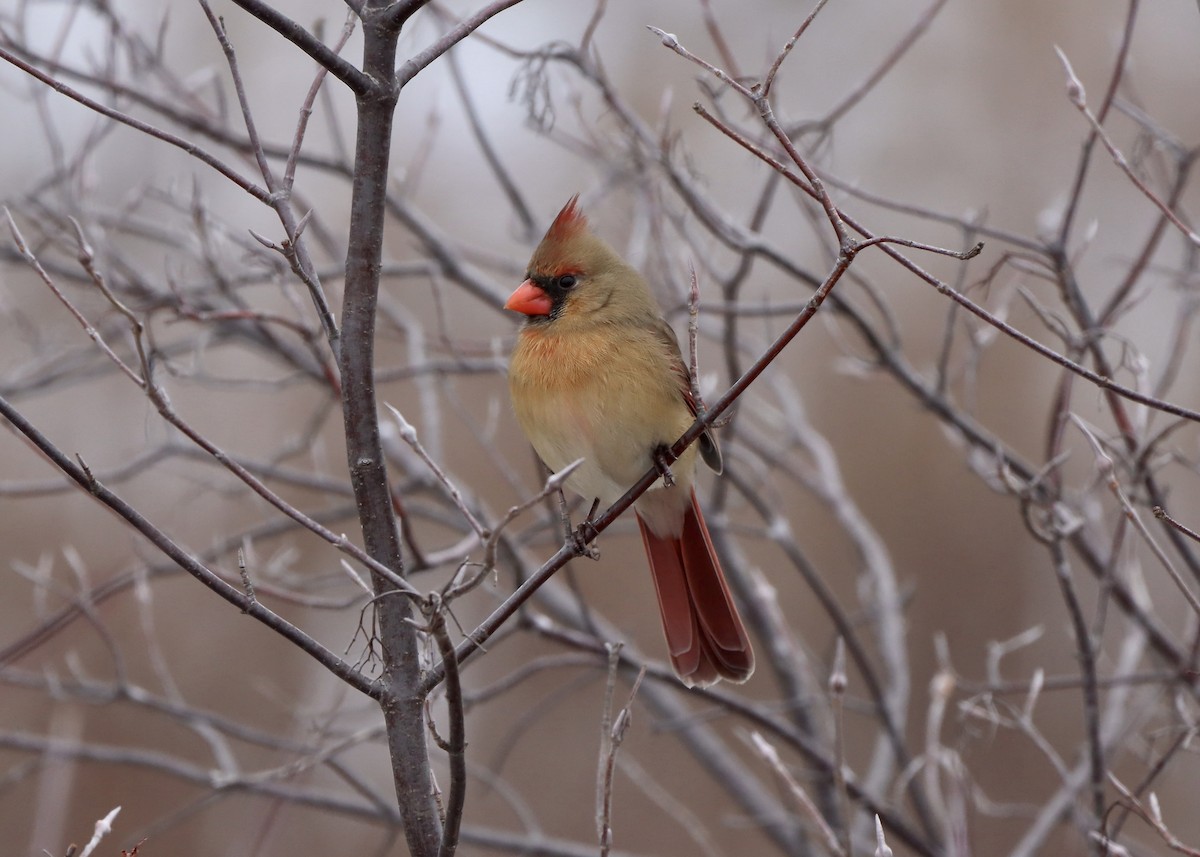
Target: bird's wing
{"type": "Point", "coordinates": [709, 450]}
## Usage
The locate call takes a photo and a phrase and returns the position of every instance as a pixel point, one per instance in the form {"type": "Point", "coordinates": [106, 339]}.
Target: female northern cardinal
{"type": "Point", "coordinates": [597, 374]}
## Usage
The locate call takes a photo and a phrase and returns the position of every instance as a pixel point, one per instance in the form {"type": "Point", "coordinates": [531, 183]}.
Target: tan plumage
{"type": "Point", "coordinates": [597, 374]}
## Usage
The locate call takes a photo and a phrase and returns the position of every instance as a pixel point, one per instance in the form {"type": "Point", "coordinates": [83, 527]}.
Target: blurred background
{"type": "Point", "coordinates": [124, 682]}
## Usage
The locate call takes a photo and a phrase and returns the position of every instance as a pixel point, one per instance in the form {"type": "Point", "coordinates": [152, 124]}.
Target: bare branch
{"type": "Point", "coordinates": [1078, 97]}
{"type": "Point", "coordinates": [103, 828]}
{"type": "Point", "coordinates": [413, 66]}
{"type": "Point", "coordinates": [358, 82]}
{"type": "Point", "coordinates": [138, 125]}
{"type": "Point", "coordinates": [83, 477]}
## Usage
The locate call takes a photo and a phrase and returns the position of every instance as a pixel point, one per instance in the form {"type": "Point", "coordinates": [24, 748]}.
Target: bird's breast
{"type": "Point", "coordinates": [604, 396]}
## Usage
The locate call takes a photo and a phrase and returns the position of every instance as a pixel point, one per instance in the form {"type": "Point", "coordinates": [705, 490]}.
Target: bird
{"type": "Point", "coordinates": [597, 374]}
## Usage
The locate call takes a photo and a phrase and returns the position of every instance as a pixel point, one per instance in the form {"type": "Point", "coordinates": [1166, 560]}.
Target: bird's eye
{"type": "Point", "coordinates": [567, 281]}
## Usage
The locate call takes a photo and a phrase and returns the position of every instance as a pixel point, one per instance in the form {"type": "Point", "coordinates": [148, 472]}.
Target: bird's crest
{"type": "Point", "coordinates": [569, 223]}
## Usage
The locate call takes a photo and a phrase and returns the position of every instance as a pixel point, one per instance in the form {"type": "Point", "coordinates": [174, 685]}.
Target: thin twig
{"type": "Point", "coordinates": [501, 173]}
{"type": "Point", "coordinates": [456, 743]}
{"type": "Point", "coordinates": [1108, 472]}
{"type": "Point", "coordinates": [1153, 817]}
{"type": "Point", "coordinates": [306, 107]}
{"type": "Point", "coordinates": [1087, 669]}
{"type": "Point", "coordinates": [612, 735]}
{"type": "Point", "coordinates": [1161, 514]}
{"type": "Point", "coordinates": [693, 333]}
{"type": "Point", "coordinates": [769, 79]}
{"type": "Point", "coordinates": [837, 697]}
{"type": "Point", "coordinates": [85, 480]}
{"type": "Point", "coordinates": [295, 250]}
{"type": "Point", "coordinates": [856, 95]}
{"type": "Point", "coordinates": [89, 329]}
{"type": "Point", "coordinates": [409, 435]}
{"type": "Point", "coordinates": [1078, 97]}
{"type": "Point", "coordinates": [358, 82]}
{"type": "Point", "coordinates": [103, 828]}
{"type": "Point", "coordinates": [769, 754]}
{"type": "Point", "coordinates": [413, 66]}
{"type": "Point", "coordinates": [259, 193]}
{"type": "Point", "coordinates": [1102, 381]}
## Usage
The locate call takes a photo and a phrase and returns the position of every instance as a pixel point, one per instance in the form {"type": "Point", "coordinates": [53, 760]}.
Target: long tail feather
{"type": "Point", "coordinates": [705, 635]}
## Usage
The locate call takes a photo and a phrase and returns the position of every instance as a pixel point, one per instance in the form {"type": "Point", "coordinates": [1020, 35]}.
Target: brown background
{"type": "Point", "coordinates": [974, 118]}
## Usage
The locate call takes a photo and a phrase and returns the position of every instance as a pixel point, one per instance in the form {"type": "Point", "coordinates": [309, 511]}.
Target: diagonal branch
{"type": "Point", "coordinates": [414, 65]}
{"type": "Point", "coordinates": [188, 146]}
{"type": "Point", "coordinates": [1102, 381]}
{"type": "Point", "coordinates": [83, 477]}
{"type": "Point", "coordinates": [359, 83]}
{"type": "Point", "coordinates": [589, 530]}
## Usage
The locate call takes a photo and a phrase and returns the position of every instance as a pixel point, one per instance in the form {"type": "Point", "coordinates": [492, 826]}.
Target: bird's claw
{"type": "Point", "coordinates": [663, 466]}
{"type": "Point", "coordinates": [577, 538]}
{"type": "Point", "coordinates": [580, 537]}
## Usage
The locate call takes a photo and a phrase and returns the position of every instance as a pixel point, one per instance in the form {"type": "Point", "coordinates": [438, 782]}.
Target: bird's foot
{"type": "Point", "coordinates": [579, 537]}
{"type": "Point", "coordinates": [663, 466]}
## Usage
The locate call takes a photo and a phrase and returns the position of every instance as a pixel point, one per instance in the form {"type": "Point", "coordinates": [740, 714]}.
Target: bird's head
{"type": "Point", "coordinates": [576, 278]}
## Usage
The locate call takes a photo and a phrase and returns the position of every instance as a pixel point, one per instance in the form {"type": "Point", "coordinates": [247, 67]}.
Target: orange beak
{"type": "Point", "coordinates": [530, 299]}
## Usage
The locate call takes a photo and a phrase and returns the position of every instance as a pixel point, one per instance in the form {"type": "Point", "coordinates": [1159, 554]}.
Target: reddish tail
{"type": "Point", "coordinates": [704, 633]}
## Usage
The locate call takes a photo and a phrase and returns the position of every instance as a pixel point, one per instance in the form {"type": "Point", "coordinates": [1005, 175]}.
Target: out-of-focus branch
{"type": "Point", "coordinates": [1078, 97]}
{"type": "Point", "coordinates": [1102, 381]}
{"type": "Point", "coordinates": [296, 249]}
{"type": "Point", "coordinates": [83, 477]}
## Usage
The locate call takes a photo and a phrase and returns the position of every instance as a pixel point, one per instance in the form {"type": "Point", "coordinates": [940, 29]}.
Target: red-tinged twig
{"type": "Point", "coordinates": [1161, 514]}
